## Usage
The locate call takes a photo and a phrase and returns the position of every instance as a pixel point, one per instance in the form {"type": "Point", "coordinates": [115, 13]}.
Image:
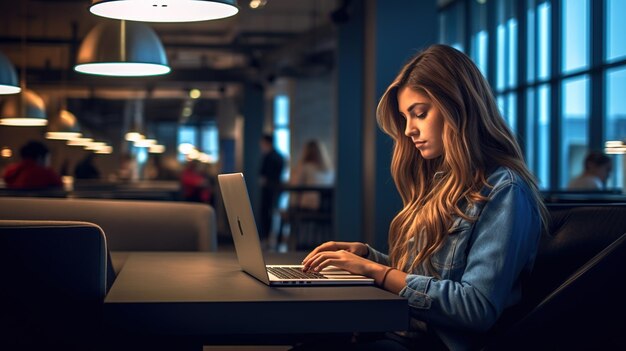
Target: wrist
{"type": "Point", "coordinates": [378, 272]}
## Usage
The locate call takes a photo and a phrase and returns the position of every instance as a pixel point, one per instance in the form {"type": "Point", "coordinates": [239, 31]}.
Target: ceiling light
{"type": "Point", "coordinates": [6, 152]}
{"type": "Point", "coordinates": [80, 142]}
{"type": "Point", "coordinates": [96, 145]}
{"type": "Point", "coordinates": [157, 149]}
{"type": "Point", "coordinates": [256, 4]}
{"type": "Point", "coordinates": [26, 109]}
{"type": "Point", "coordinates": [122, 49]}
{"type": "Point", "coordinates": [65, 127]}
{"type": "Point", "coordinates": [145, 142]}
{"type": "Point", "coordinates": [186, 148]}
{"type": "Point", "coordinates": [164, 10]}
{"type": "Point", "coordinates": [8, 77]}
{"type": "Point", "coordinates": [194, 93]}
{"type": "Point", "coordinates": [134, 136]}
{"type": "Point", "coordinates": [105, 150]}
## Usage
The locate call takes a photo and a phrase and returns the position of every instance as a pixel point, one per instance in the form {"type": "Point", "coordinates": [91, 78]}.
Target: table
{"type": "Point", "coordinates": [207, 294]}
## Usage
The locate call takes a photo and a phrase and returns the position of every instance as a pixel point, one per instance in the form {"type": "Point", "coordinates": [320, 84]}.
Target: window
{"type": "Point", "coordinates": [544, 42]}
{"type": "Point", "coordinates": [281, 128]}
{"type": "Point", "coordinates": [576, 32]}
{"type": "Point", "coordinates": [615, 29]}
{"type": "Point", "coordinates": [543, 130]}
{"type": "Point", "coordinates": [204, 139]}
{"type": "Point", "coordinates": [538, 43]}
{"type": "Point", "coordinates": [210, 142]}
{"type": "Point", "coordinates": [615, 120]}
{"type": "Point", "coordinates": [508, 108]}
{"type": "Point", "coordinates": [574, 127]}
{"type": "Point", "coordinates": [480, 35]}
{"type": "Point", "coordinates": [506, 31]}
{"type": "Point", "coordinates": [451, 24]}
{"type": "Point", "coordinates": [543, 83]}
{"type": "Point", "coordinates": [186, 135]}
{"type": "Point", "coordinates": [506, 61]}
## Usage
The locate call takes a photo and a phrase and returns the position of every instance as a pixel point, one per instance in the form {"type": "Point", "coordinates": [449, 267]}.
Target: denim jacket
{"type": "Point", "coordinates": [480, 265]}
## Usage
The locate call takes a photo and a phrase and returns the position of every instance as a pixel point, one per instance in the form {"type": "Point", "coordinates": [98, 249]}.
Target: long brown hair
{"type": "Point", "coordinates": [476, 140]}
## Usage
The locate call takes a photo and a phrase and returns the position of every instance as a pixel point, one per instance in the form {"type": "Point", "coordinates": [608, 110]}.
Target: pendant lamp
{"type": "Point", "coordinates": [8, 77]}
{"type": "Point", "coordinates": [123, 49]}
{"type": "Point", "coordinates": [26, 109]}
{"type": "Point", "coordinates": [164, 10]}
{"type": "Point", "coordinates": [65, 127]}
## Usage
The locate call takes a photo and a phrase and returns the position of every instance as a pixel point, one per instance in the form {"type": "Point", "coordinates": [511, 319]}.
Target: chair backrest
{"type": "Point", "coordinates": [53, 281]}
{"type": "Point", "coordinates": [130, 225]}
{"type": "Point", "coordinates": [578, 233]}
{"type": "Point", "coordinates": [586, 312]}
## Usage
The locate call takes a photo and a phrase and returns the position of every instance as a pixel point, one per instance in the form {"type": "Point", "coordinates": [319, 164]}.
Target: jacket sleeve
{"type": "Point", "coordinates": [377, 256]}
{"type": "Point", "coordinates": [503, 242]}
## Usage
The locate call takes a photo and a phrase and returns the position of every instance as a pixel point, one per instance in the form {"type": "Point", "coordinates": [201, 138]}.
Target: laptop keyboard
{"type": "Point", "coordinates": [294, 273]}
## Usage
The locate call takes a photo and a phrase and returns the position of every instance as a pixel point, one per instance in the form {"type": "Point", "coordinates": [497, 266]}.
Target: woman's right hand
{"type": "Point", "coordinates": [356, 248]}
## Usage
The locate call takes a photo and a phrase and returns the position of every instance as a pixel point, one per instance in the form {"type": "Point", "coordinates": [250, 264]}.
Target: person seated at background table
{"type": "Point", "coordinates": [32, 172]}
{"type": "Point", "coordinates": [313, 169]}
{"type": "Point", "coordinates": [597, 168]}
{"type": "Point", "coordinates": [86, 169]}
{"type": "Point", "coordinates": [472, 218]}
{"type": "Point", "coordinates": [194, 183]}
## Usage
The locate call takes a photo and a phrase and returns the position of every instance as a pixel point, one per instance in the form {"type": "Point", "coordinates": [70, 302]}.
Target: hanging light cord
{"type": "Point", "coordinates": [22, 99]}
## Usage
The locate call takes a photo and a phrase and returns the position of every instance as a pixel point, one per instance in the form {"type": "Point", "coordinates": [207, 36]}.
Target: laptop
{"type": "Point", "coordinates": [248, 245]}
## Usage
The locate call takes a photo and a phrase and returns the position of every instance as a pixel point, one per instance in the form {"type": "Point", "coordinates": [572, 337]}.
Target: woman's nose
{"type": "Point", "coordinates": [410, 130]}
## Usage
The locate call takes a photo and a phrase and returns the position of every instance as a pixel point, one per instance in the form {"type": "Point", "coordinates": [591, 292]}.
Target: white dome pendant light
{"type": "Point", "coordinates": [164, 10]}
{"type": "Point", "coordinates": [122, 49]}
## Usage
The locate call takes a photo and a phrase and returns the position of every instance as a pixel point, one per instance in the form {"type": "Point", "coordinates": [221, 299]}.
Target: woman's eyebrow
{"type": "Point", "coordinates": [414, 105]}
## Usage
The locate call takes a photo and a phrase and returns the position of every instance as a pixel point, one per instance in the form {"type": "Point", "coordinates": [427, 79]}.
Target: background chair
{"type": "Point", "coordinates": [130, 225]}
{"type": "Point", "coordinates": [53, 284]}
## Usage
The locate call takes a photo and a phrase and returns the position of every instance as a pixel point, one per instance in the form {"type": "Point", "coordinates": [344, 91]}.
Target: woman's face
{"type": "Point", "coordinates": [424, 122]}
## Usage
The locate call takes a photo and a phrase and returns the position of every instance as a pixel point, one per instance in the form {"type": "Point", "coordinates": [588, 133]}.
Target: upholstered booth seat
{"type": "Point", "coordinates": [130, 225]}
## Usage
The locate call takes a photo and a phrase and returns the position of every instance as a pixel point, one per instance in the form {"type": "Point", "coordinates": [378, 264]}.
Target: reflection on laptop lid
{"type": "Point", "coordinates": [248, 245]}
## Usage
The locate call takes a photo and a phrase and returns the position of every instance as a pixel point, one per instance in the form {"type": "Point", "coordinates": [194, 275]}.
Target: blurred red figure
{"type": "Point", "coordinates": [195, 185]}
{"type": "Point", "coordinates": [32, 172]}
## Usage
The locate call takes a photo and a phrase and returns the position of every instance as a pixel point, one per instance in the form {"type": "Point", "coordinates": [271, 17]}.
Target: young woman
{"type": "Point", "coordinates": [472, 214]}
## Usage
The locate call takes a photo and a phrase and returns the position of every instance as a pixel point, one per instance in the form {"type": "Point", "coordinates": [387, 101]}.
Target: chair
{"type": "Point", "coordinates": [53, 284]}
{"type": "Point", "coordinates": [308, 227]}
{"type": "Point", "coordinates": [572, 298]}
{"type": "Point", "coordinates": [587, 312]}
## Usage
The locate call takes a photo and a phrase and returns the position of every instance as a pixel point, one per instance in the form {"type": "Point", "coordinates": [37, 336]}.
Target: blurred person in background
{"type": "Point", "coordinates": [86, 169]}
{"type": "Point", "coordinates": [597, 168]}
{"type": "Point", "coordinates": [33, 171]}
{"type": "Point", "coordinates": [313, 169]}
{"type": "Point", "coordinates": [270, 177]}
{"type": "Point", "coordinates": [128, 168]}
{"type": "Point", "coordinates": [195, 184]}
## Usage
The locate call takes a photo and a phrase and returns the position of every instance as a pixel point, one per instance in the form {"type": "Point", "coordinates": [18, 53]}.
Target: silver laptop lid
{"type": "Point", "coordinates": [242, 225]}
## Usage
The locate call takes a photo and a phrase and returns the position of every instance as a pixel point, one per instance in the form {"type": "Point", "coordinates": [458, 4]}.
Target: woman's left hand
{"type": "Point", "coordinates": [340, 259]}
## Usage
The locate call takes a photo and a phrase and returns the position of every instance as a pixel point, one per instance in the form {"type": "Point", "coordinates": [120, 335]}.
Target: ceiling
{"type": "Point", "coordinates": [284, 38]}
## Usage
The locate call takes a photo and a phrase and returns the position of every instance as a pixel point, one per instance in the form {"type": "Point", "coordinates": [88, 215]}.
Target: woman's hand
{"type": "Point", "coordinates": [344, 255]}
{"type": "Point", "coordinates": [357, 248]}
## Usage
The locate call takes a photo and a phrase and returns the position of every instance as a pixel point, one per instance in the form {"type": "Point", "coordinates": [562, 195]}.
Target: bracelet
{"type": "Point", "coordinates": [382, 282]}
